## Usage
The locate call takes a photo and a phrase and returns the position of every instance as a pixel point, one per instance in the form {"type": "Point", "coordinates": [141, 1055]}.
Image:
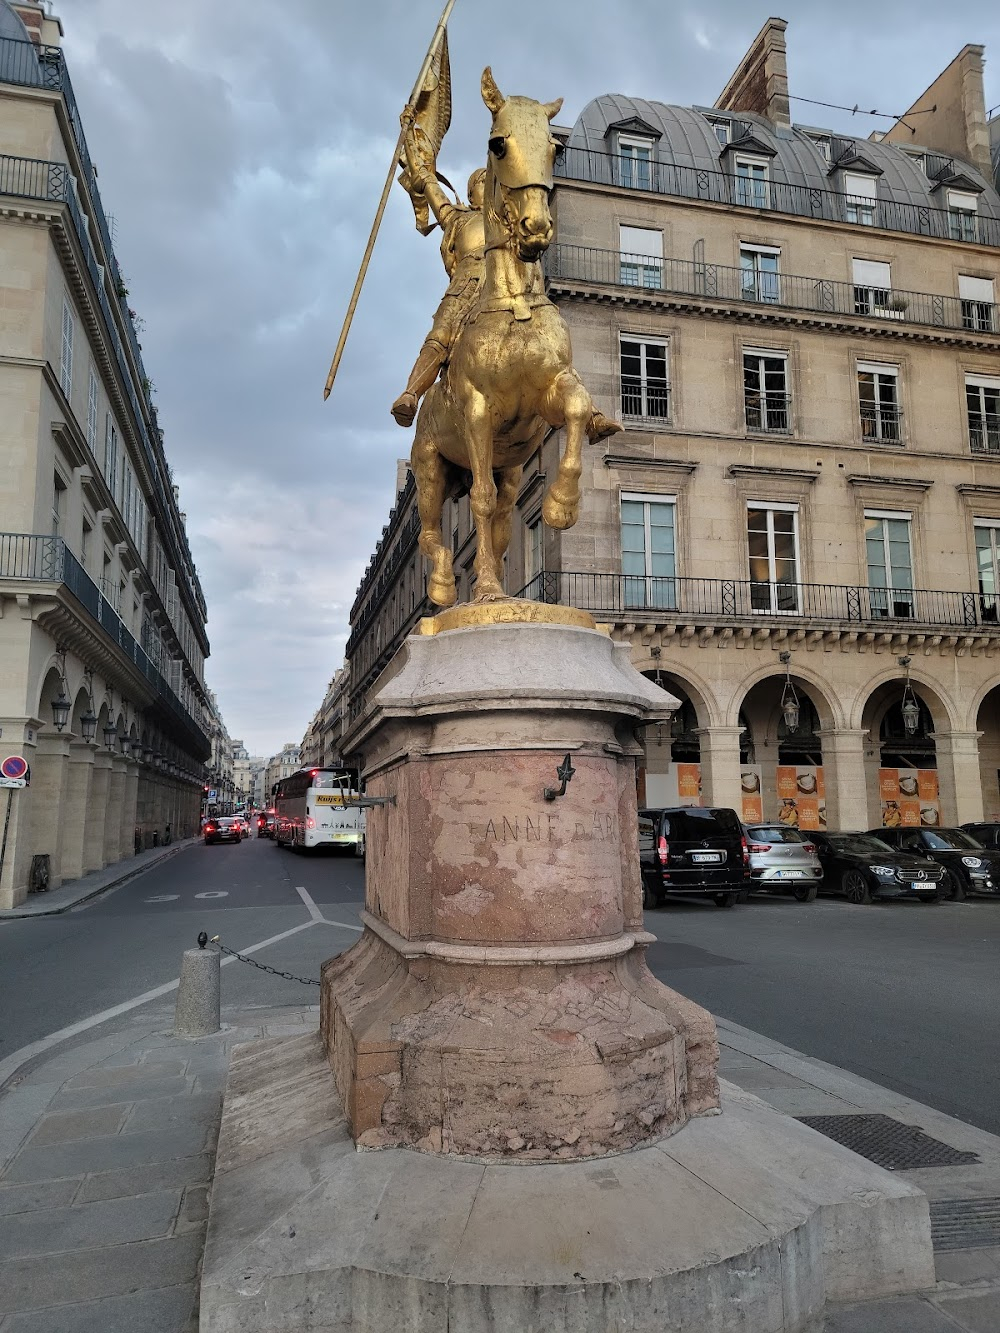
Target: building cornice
{"type": "Point", "coordinates": [640, 460]}
{"type": "Point", "coordinates": [871, 479]}
{"type": "Point", "coordinates": [770, 470]}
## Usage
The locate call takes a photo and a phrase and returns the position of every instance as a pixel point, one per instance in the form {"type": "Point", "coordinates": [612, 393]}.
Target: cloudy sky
{"type": "Point", "coordinates": [242, 146]}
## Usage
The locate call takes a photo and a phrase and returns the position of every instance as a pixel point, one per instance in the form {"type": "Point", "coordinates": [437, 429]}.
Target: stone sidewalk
{"type": "Point", "coordinates": [54, 901]}
{"type": "Point", "coordinates": [107, 1148]}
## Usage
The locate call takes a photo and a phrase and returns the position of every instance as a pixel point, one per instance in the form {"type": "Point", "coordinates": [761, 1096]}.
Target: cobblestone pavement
{"type": "Point", "coordinates": [106, 1156]}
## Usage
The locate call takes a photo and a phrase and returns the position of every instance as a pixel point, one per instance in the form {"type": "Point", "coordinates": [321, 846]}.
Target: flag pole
{"type": "Point", "coordinates": [359, 281]}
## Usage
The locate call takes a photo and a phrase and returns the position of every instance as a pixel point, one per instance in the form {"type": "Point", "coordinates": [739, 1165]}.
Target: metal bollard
{"type": "Point", "coordinates": [197, 1011]}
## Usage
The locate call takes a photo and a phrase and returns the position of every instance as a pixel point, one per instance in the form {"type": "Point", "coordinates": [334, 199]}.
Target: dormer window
{"type": "Point", "coordinates": [752, 182]}
{"type": "Point", "coordinates": [860, 198]}
{"type": "Point", "coordinates": [822, 143]}
{"type": "Point", "coordinates": [722, 129]}
{"type": "Point", "coordinates": [962, 216]}
{"type": "Point", "coordinates": [636, 158]}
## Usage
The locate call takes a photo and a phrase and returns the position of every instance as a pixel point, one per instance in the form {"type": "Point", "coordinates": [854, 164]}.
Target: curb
{"type": "Point", "coordinates": [16, 914]}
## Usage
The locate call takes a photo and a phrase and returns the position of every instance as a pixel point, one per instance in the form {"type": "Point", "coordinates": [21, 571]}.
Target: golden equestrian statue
{"type": "Point", "coordinates": [501, 347]}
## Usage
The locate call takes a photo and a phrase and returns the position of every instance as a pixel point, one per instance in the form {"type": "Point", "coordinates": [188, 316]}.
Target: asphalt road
{"type": "Point", "coordinates": [904, 993]}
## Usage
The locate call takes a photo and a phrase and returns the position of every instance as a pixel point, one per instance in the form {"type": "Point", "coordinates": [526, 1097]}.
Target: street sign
{"type": "Point", "coordinates": [14, 767]}
{"type": "Point", "coordinates": [212, 794]}
{"type": "Point", "coordinates": [14, 784]}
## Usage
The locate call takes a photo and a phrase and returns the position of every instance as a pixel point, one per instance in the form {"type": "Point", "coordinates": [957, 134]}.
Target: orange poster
{"type": "Point", "coordinates": [888, 785]}
{"type": "Point", "coordinates": [785, 783]}
{"type": "Point", "coordinates": [689, 784]}
{"type": "Point", "coordinates": [753, 802]}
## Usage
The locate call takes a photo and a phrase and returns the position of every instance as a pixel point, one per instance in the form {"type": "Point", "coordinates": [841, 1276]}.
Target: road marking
{"type": "Point", "coordinates": [311, 907]}
{"type": "Point", "coordinates": [213, 893]}
{"type": "Point", "coordinates": [164, 898]}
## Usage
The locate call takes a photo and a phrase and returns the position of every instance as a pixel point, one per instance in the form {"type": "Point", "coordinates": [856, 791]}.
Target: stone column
{"type": "Point", "coordinates": [845, 779]}
{"type": "Point", "coordinates": [50, 772]}
{"type": "Point", "coordinates": [959, 779]}
{"type": "Point", "coordinates": [126, 834]}
{"type": "Point", "coordinates": [720, 767]}
{"type": "Point", "coordinates": [499, 1002]}
{"type": "Point", "coordinates": [75, 806]}
{"type": "Point", "coordinates": [113, 815]}
{"type": "Point", "coordinates": [97, 812]}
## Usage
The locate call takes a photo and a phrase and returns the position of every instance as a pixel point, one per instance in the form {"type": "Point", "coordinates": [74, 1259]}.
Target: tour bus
{"type": "Point", "coordinates": [312, 810]}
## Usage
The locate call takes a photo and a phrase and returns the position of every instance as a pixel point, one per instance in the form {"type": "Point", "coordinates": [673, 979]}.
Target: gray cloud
{"type": "Point", "coordinates": [242, 147]}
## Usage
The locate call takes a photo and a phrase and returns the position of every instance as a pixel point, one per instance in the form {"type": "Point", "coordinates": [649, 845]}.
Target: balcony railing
{"type": "Point", "coordinates": [719, 187]}
{"type": "Point", "coordinates": [769, 413]}
{"type": "Point", "coordinates": [645, 399]}
{"type": "Point", "coordinates": [36, 558]}
{"type": "Point", "coordinates": [719, 282]}
{"type": "Point", "coordinates": [882, 423]}
{"type": "Point", "coordinates": [984, 433]}
{"type": "Point", "coordinates": [748, 602]}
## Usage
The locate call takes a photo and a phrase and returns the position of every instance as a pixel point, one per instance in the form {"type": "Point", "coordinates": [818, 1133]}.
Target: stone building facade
{"type": "Point", "coordinates": [102, 634]}
{"type": "Point", "coordinates": [287, 761]}
{"type": "Point", "coordinates": [799, 332]}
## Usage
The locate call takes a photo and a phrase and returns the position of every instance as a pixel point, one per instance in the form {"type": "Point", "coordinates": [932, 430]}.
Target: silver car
{"type": "Point", "coordinates": [783, 858]}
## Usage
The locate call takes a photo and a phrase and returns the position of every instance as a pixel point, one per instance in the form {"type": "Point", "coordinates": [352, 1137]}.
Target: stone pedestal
{"type": "Point", "coordinates": [498, 1003]}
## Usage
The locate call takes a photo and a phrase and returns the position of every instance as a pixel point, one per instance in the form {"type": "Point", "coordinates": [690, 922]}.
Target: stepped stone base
{"type": "Point", "coordinates": [744, 1221]}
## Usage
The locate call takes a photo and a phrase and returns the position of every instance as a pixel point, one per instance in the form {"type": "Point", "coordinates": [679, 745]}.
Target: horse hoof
{"type": "Point", "coordinates": [442, 592]}
{"type": "Point", "coordinates": [559, 515]}
{"type": "Point", "coordinates": [490, 593]}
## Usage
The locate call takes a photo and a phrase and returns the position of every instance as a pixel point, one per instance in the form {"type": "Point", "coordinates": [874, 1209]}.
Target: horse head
{"type": "Point", "coordinates": [522, 153]}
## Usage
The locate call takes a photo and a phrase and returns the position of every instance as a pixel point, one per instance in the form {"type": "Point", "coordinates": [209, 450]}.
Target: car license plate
{"type": "Point", "coordinates": [706, 858]}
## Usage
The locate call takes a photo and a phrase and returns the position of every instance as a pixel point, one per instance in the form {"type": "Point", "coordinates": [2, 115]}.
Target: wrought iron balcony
{"type": "Point", "coordinates": [35, 558]}
{"type": "Point", "coordinates": [766, 291]}
{"type": "Point", "coordinates": [719, 187]}
{"type": "Point", "coordinates": [632, 598]}
{"type": "Point", "coordinates": [984, 432]}
{"type": "Point", "coordinates": [768, 413]}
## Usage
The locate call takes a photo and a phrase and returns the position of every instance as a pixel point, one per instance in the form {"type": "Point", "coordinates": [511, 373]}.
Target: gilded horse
{"type": "Point", "coordinates": [510, 373]}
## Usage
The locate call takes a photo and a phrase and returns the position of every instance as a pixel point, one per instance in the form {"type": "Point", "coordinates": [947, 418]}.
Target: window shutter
{"type": "Point", "coordinates": [975, 289]}
{"type": "Point", "coordinates": [641, 241]}
{"type": "Point", "coordinates": [870, 273]}
{"type": "Point", "coordinates": [862, 187]}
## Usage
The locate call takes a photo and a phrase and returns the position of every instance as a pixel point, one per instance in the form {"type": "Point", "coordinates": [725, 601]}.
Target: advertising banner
{"type": "Point", "coordinates": [801, 796]}
{"type": "Point", "coordinates": [688, 784]}
{"type": "Point", "coordinates": [753, 798]}
{"type": "Point", "coordinates": [909, 797]}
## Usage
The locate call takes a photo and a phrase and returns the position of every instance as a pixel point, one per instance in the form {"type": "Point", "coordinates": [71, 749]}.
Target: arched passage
{"type": "Point", "coordinates": [670, 772]}
{"type": "Point", "coordinates": [784, 779]}
{"type": "Point", "coordinates": [988, 724]}
{"type": "Point", "coordinates": [902, 719]}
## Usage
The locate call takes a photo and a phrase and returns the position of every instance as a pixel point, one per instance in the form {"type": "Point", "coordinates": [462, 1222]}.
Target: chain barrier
{"type": "Point", "coordinates": [261, 967]}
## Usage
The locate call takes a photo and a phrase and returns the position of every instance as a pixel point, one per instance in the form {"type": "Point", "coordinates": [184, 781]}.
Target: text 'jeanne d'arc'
{"type": "Point", "coordinates": [544, 827]}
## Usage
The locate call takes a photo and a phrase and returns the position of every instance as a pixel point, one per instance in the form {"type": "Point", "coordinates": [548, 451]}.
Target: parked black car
{"type": "Point", "coordinates": [987, 835]}
{"type": "Point", "coordinates": [862, 867]}
{"type": "Point", "coordinates": [968, 866]}
{"type": "Point", "coordinates": [692, 850]}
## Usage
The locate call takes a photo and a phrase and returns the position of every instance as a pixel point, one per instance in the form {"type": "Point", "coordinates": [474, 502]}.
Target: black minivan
{"type": "Point", "coordinates": [689, 849]}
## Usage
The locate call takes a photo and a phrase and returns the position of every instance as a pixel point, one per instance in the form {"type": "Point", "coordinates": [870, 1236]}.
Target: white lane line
{"type": "Point", "coordinates": [164, 898]}
{"type": "Point", "coordinates": [317, 915]}
{"type": "Point", "coordinates": [13, 1062]}
{"type": "Point", "coordinates": [311, 907]}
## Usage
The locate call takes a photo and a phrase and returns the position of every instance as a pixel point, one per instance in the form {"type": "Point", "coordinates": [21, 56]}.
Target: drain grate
{"type": "Point", "coordinates": [965, 1224]}
{"type": "Point", "coordinates": [887, 1142]}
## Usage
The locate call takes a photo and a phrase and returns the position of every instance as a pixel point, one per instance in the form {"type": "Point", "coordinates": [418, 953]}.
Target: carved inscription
{"type": "Point", "coordinates": [545, 827]}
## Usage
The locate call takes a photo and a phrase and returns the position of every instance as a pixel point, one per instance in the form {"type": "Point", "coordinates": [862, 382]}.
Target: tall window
{"type": "Point", "coordinates": [58, 504]}
{"type": "Point", "coordinates": [66, 350]}
{"type": "Point", "coordinates": [873, 290]}
{"type": "Point", "coordinates": [533, 550]}
{"type": "Point", "coordinates": [890, 563]}
{"type": "Point", "coordinates": [752, 183]}
{"type": "Point", "coordinates": [982, 396]}
{"type": "Point", "coordinates": [92, 388]}
{"type": "Point", "coordinates": [860, 199]}
{"type": "Point", "coordinates": [878, 394]}
{"type": "Point", "coordinates": [759, 273]}
{"type": "Point", "coordinates": [722, 129]}
{"type": "Point", "coordinates": [988, 562]}
{"type": "Point", "coordinates": [636, 161]}
{"type": "Point", "coordinates": [765, 390]}
{"type": "Point", "coordinates": [85, 537]}
{"type": "Point", "coordinates": [978, 303]}
{"type": "Point", "coordinates": [641, 257]}
{"type": "Point", "coordinates": [111, 455]}
{"type": "Point", "coordinates": [773, 543]}
{"type": "Point", "coordinates": [645, 379]}
{"type": "Point", "coordinates": [649, 561]}
{"type": "Point", "coordinates": [962, 216]}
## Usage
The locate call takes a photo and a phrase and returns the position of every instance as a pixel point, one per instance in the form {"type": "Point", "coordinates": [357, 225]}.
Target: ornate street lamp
{"type": "Point", "coordinates": [110, 734]}
{"type": "Point", "coordinates": [147, 755]}
{"type": "Point", "coordinates": [60, 710]}
{"type": "Point", "coordinates": [910, 708]}
{"type": "Point", "coordinates": [789, 699]}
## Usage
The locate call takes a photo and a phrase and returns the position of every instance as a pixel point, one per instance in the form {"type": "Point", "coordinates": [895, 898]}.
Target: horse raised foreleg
{"type": "Point", "coordinates": [569, 397]}
{"type": "Point", "coordinates": [482, 495]}
{"type": "Point", "coordinates": [510, 484]}
{"type": "Point", "coordinates": [430, 474]}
